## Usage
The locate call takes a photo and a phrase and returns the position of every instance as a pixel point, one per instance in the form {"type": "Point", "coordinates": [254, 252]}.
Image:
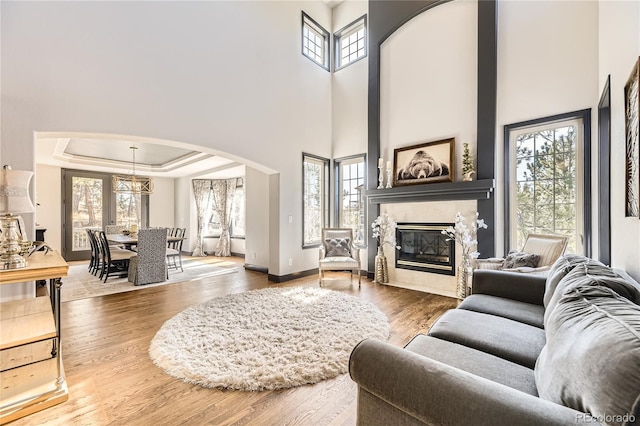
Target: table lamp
{"type": "Point", "coordinates": [14, 199]}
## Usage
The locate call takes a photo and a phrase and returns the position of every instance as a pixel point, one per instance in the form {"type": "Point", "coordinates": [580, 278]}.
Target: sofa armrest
{"type": "Point", "coordinates": [527, 288]}
{"type": "Point", "coordinates": [436, 393]}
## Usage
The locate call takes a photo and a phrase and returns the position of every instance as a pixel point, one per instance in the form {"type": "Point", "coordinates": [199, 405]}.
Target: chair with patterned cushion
{"type": "Point", "coordinates": [149, 265]}
{"type": "Point", "coordinates": [338, 253]}
{"type": "Point", "coordinates": [540, 251]}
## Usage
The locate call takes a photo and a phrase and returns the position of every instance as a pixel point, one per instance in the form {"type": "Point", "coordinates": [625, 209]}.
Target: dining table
{"type": "Point", "coordinates": [131, 240]}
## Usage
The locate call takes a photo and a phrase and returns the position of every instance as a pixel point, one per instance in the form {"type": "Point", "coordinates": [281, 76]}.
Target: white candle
{"type": "Point", "coordinates": [380, 163]}
{"type": "Point", "coordinates": [388, 165]}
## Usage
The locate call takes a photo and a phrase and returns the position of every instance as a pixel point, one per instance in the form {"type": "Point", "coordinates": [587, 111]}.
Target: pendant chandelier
{"type": "Point", "coordinates": [132, 184]}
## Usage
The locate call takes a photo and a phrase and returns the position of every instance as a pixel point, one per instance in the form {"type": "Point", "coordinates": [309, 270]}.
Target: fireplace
{"type": "Point", "coordinates": [424, 248]}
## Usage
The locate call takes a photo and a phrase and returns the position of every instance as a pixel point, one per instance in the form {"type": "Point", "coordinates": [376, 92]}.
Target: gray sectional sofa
{"type": "Point", "coordinates": [521, 350]}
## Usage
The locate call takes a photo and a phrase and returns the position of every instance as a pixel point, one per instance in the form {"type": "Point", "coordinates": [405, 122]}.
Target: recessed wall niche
{"type": "Point", "coordinates": [428, 80]}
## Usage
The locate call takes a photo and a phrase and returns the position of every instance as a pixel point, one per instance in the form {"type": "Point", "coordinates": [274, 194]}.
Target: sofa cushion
{"type": "Point", "coordinates": [558, 271]}
{"type": "Point", "coordinates": [592, 274]}
{"type": "Point", "coordinates": [517, 259]}
{"type": "Point", "coordinates": [504, 338]}
{"type": "Point", "coordinates": [476, 362]}
{"type": "Point", "coordinates": [592, 358]}
{"type": "Point", "coordinates": [523, 312]}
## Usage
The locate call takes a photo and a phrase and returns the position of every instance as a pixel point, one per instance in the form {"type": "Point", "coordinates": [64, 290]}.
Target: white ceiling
{"type": "Point", "coordinates": [116, 156]}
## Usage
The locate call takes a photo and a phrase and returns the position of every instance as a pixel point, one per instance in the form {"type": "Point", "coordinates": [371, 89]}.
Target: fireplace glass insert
{"type": "Point", "coordinates": [424, 248]}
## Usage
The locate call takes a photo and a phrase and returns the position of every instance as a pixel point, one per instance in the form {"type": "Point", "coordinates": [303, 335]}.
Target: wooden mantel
{"type": "Point", "coordinates": [444, 191]}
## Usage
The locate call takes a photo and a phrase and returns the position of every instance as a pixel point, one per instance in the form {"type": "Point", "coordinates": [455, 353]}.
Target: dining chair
{"type": "Point", "coordinates": [149, 265]}
{"type": "Point", "coordinates": [338, 253]}
{"type": "Point", "coordinates": [95, 263]}
{"type": "Point", "coordinates": [114, 260]}
{"type": "Point", "coordinates": [174, 249]}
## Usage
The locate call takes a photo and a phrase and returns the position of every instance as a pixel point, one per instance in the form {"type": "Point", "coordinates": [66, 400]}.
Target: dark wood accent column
{"type": "Point", "coordinates": [384, 18]}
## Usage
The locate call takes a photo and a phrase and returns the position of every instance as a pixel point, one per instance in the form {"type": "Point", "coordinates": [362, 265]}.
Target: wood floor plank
{"type": "Point", "coordinates": [112, 380]}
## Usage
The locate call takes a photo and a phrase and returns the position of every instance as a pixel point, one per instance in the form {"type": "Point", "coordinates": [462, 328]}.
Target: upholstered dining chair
{"type": "Point", "coordinates": [540, 251]}
{"type": "Point", "coordinates": [338, 253]}
{"type": "Point", "coordinates": [149, 265]}
{"type": "Point", "coordinates": [113, 229]}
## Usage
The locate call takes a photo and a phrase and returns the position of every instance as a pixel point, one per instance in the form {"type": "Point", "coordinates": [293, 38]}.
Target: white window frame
{"type": "Point", "coordinates": [311, 33]}
{"type": "Point", "coordinates": [322, 209]}
{"type": "Point", "coordinates": [360, 230]}
{"type": "Point", "coordinates": [349, 34]}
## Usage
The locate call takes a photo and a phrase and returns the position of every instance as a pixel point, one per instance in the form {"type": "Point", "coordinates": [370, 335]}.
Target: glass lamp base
{"type": "Point", "coordinates": [12, 261]}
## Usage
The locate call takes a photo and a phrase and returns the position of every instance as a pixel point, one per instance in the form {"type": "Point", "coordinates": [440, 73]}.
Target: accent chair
{"type": "Point", "coordinates": [540, 251]}
{"type": "Point", "coordinates": [338, 253]}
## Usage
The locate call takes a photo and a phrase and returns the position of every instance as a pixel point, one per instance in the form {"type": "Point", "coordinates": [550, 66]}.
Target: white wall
{"type": "Point", "coordinates": [49, 198]}
{"type": "Point", "coordinates": [161, 211]}
{"type": "Point", "coordinates": [191, 72]}
{"type": "Point", "coordinates": [547, 65]}
{"type": "Point", "coordinates": [428, 74]}
{"type": "Point", "coordinates": [619, 42]}
{"type": "Point", "coordinates": [257, 218]}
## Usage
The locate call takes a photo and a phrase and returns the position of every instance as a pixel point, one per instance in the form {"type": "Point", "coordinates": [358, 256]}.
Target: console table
{"type": "Point", "coordinates": [31, 368]}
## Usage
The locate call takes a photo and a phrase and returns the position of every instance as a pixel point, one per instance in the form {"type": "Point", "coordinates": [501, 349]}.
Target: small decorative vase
{"type": "Point", "coordinates": [464, 275]}
{"type": "Point", "coordinates": [382, 272]}
{"type": "Point", "coordinates": [467, 177]}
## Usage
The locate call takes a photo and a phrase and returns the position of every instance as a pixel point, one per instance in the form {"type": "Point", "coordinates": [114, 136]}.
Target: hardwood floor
{"type": "Point", "coordinates": [112, 381]}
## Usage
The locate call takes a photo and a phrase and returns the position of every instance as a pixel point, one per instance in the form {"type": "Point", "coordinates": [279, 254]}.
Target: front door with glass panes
{"type": "Point", "coordinates": [90, 203]}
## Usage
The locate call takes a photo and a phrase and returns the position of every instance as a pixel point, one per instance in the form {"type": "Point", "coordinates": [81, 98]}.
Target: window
{"type": "Point", "coordinates": [550, 190]}
{"type": "Point", "coordinates": [350, 206]}
{"type": "Point", "coordinates": [238, 211]}
{"type": "Point", "coordinates": [238, 217]}
{"type": "Point", "coordinates": [315, 42]}
{"type": "Point", "coordinates": [315, 202]}
{"type": "Point", "coordinates": [350, 43]}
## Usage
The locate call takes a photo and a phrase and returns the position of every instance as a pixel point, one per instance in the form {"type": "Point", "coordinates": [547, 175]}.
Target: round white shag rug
{"type": "Point", "coordinates": [266, 339]}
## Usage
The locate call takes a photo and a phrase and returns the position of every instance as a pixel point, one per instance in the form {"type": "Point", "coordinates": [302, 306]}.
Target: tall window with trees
{"type": "Point", "coordinates": [350, 209]}
{"type": "Point", "coordinates": [315, 203]}
{"type": "Point", "coordinates": [549, 187]}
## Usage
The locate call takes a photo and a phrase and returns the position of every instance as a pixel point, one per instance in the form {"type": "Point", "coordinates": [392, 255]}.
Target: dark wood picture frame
{"type": "Point", "coordinates": [426, 162]}
{"type": "Point", "coordinates": [632, 146]}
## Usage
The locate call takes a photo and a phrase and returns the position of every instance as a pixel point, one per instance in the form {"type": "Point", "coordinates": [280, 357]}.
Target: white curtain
{"type": "Point", "coordinates": [223, 194]}
{"type": "Point", "coordinates": [202, 190]}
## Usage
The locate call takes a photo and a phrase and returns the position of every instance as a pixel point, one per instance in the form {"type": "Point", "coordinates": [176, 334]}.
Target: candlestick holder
{"type": "Point", "coordinates": [389, 171]}
{"type": "Point", "coordinates": [380, 177]}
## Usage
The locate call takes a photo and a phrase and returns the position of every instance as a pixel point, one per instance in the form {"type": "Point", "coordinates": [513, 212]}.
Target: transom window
{"type": "Point", "coordinates": [315, 41]}
{"type": "Point", "coordinates": [315, 202]}
{"type": "Point", "coordinates": [350, 184]}
{"type": "Point", "coordinates": [350, 43]}
{"type": "Point", "coordinates": [550, 189]}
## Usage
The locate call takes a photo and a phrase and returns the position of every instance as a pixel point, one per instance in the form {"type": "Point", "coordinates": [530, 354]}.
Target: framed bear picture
{"type": "Point", "coordinates": [424, 163]}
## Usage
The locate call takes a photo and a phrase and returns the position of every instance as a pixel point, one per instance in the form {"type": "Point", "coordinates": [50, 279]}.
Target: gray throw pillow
{"type": "Point", "coordinates": [558, 271]}
{"type": "Point", "coordinates": [591, 361]}
{"type": "Point", "coordinates": [338, 247]}
{"type": "Point", "coordinates": [517, 259]}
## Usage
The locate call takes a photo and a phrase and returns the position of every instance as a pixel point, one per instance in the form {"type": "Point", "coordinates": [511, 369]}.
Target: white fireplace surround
{"type": "Point", "coordinates": [436, 211]}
